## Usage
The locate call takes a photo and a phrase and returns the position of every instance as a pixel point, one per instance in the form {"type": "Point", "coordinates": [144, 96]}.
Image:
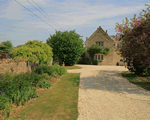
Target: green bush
{"type": "Point", "coordinates": [41, 69]}
{"type": "Point", "coordinates": [99, 60]}
{"type": "Point", "coordinates": [51, 70]}
{"type": "Point", "coordinates": [44, 84]}
{"type": "Point", "coordinates": [58, 70]}
{"type": "Point", "coordinates": [4, 100]}
{"type": "Point", "coordinates": [62, 70]}
{"type": "Point", "coordinates": [88, 60]}
{"type": "Point", "coordinates": [46, 75]}
{"type": "Point", "coordinates": [19, 88]}
{"type": "Point", "coordinates": [94, 62]}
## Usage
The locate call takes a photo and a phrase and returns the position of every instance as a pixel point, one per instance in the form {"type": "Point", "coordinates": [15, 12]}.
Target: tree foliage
{"type": "Point", "coordinates": [136, 43]}
{"type": "Point", "coordinates": [34, 51]}
{"type": "Point", "coordinates": [67, 47]}
{"type": "Point", "coordinates": [6, 47]}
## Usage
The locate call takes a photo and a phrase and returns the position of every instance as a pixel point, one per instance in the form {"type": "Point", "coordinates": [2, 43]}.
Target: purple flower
{"type": "Point", "coordinates": [2, 92]}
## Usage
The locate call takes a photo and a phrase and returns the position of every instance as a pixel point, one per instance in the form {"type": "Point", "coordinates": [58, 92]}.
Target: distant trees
{"type": "Point", "coordinates": [6, 47]}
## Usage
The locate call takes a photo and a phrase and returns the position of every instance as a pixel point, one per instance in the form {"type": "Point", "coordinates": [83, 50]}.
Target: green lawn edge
{"type": "Point", "coordinates": [60, 101]}
{"type": "Point", "coordinates": [143, 82]}
{"type": "Point", "coordinates": [72, 67]}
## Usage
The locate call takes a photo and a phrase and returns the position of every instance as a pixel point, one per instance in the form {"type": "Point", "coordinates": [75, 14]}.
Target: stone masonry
{"type": "Point", "coordinates": [108, 41]}
{"type": "Point", "coordinates": [14, 66]}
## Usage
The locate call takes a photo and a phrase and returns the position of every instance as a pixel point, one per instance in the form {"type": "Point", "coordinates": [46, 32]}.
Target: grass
{"type": "Point", "coordinates": [59, 102]}
{"type": "Point", "coordinates": [144, 82]}
{"type": "Point", "coordinates": [72, 67]}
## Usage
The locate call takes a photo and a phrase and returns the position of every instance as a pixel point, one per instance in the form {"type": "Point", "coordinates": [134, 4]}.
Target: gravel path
{"type": "Point", "coordinates": [105, 95]}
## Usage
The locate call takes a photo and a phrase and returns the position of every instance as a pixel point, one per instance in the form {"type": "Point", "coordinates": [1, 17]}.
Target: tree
{"type": "Point", "coordinates": [67, 47]}
{"type": "Point", "coordinates": [6, 47]}
{"type": "Point", "coordinates": [136, 43]}
{"type": "Point", "coordinates": [34, 51]}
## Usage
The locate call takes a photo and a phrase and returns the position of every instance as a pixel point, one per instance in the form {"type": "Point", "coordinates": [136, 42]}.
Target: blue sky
{"type": "Point", "coordinates": [85, 16]}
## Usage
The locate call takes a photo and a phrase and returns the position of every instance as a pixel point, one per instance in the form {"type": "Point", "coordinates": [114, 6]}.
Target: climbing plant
{"type": "Point", "coordinates": [94, 49]}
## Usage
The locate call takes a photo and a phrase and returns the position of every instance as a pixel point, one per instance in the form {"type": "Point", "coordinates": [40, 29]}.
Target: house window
{"type": "Point", "coordinates": [101, 57]}
{"type": "Point", "coordinates": [95, 57]}
{"type": "Point", "coordinates": [100, 43]}
{"type": "Point", "coordinates": [98, 57]}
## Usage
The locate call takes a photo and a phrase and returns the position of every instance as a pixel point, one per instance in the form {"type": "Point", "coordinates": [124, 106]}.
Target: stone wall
{"type": "Point", "coordinates": [14, 66]}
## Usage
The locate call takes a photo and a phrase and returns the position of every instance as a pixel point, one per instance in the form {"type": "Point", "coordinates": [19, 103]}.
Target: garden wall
{"type": "Point", "coordinates": [14, 66]}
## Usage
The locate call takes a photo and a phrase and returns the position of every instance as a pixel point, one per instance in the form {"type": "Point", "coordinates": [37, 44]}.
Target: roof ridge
{"type": "Point", "coordinates": [103, 32]}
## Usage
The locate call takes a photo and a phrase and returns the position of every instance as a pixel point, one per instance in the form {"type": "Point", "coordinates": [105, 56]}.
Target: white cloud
{"type": "Point", "coordinates": [68, 15]}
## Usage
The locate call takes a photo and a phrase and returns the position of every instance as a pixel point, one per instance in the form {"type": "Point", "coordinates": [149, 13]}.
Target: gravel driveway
{"type": "Point", "coordinates": [105, 95]}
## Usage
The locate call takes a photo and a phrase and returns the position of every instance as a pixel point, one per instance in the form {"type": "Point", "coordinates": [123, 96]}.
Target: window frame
{"type": "Point", "coordinates": [98, 57]}
{"type": "Point", "coordinates": [100, 43]}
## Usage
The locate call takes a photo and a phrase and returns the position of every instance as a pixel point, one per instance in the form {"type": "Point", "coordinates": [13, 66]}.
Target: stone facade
{"type": "Point", "coordinates": [14, 66]}
{"type": "Point", "coordinates": [108, 42]}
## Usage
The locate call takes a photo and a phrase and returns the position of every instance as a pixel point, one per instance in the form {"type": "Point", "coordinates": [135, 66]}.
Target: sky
{"type": "Point", "coordinates": [19, 25]}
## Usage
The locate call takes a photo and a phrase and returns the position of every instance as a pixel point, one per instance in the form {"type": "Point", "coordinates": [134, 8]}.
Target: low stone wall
{"type": "Point", "coordinates": [14, 66]}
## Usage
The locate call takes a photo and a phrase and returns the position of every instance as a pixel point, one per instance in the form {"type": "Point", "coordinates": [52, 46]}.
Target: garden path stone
{"type": "Point", "coordinates": [105, 95]}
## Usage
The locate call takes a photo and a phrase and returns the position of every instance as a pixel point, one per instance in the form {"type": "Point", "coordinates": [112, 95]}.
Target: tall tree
{"type": "Point", "coordinates": [67, 47]}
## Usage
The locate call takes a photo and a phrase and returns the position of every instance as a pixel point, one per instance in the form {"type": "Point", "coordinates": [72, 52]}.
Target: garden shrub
{"type": "Point", "coordinates": [44, 84]}
{"type": "Point", "coordinates": [94, 62]}
{"type": "Point", "coordinates": [88, 60]}
{"type": "Point", "coordinates": [41, 69]}
{"type": "Point", "coordinates": [58, 70]}
{"type": "Point", "coordinates": [19, 88]}
{"type": "Point", "coordinates": [4, 100]}
{"type": "Point", "coordinates": [51, 70]}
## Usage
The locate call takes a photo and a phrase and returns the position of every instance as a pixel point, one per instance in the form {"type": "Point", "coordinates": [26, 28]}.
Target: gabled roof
{"type": "Point", "coordinates": [104, 33]}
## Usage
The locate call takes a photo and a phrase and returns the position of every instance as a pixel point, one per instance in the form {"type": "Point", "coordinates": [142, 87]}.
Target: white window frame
{"type": "Point", "coordinates": [101, 43]}
{"type": "Point", "coordinates": [96, 57]}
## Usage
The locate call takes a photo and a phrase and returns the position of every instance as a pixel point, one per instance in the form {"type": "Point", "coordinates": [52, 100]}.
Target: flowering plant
{"type": "Point", "coordinates": [135, 39]}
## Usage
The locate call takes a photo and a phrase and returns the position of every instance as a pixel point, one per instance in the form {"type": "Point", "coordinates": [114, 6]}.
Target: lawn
{"type": "Point", "coordinates": [144, 82]}
{"type": "Point", "coordinates": [59, 102]}
{"type": "Point", "coordinates": [72, 67]}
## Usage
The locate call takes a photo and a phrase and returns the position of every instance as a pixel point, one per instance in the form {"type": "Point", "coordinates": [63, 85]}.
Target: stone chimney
{"type": "Point", "coordinates": [106, 31]}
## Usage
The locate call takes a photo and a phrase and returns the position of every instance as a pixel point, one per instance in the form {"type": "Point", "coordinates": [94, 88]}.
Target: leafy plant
{"type": "Point", "coordinates": [97, 49]}
{"type": "Point", "coordinates": [4, 100]}
{"type": "Point", "coordinates": [44, 84]}
{"type": "Point", "coordinates": [6, 47]}
{"type": "Point", "coordinates": [99, 60]}
{"type": "Point", "coordinates": [94, 62]}
{"type": "Point", "coordinates": [67, 47]}
{"type": "Point", "coordinates": [35, 52]}
{"type": "Point", "coordinates": [50, 70]}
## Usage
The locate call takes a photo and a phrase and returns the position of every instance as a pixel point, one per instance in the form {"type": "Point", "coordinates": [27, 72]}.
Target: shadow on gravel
{"type": "Point", "coordinates": [111, 81]}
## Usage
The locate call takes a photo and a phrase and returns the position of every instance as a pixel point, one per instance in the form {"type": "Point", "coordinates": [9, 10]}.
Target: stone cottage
{"type": "Point", "coordinates": [102, 38]}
